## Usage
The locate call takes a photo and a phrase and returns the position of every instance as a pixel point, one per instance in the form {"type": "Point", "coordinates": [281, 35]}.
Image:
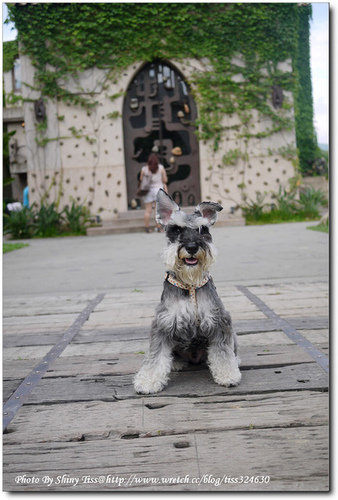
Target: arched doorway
{"type": "Point", "coordinates": [158, 115]}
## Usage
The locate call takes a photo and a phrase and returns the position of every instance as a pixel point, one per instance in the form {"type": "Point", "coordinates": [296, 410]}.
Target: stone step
{"type": "Point", "coordinates": [132, 222]}
{"type": "Point", "coordinates": [139, 214]}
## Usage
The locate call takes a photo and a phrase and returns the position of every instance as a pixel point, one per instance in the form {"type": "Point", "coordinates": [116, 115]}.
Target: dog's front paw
{"type": "Point", "coordinates": [148, 388]}
{"type": "Point", "coordinates": [223, 366]}
{"type": "Point", "coordinates": [228, 379]}
{"type": "Point", "coordinates": [143, 384]}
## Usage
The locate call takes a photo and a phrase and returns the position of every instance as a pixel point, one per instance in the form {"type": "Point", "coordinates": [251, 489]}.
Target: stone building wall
{"type": "Point", "coordinates": [80, 155]}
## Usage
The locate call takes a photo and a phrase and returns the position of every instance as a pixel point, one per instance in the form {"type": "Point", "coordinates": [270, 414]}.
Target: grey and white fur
{"type": "Point", "coordinates": [185, 330]}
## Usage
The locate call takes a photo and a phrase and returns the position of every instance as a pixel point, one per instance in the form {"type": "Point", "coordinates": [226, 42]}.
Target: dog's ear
{"type": "Point", "coordinates": [209, 211]}
{"type": "Point", "coordinates": [165, 207]}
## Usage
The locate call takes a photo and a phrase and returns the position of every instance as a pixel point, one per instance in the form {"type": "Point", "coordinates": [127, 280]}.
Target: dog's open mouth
{"type": "Point", "coordinates": [191, 261]}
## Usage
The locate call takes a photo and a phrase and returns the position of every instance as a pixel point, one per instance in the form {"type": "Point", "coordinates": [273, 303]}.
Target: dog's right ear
{"type": "Point", "coordinates": [165, 207]}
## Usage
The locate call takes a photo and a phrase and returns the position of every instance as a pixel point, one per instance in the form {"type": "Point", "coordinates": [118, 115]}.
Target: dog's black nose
{"type": "Point", "coordinates": [191, 247]}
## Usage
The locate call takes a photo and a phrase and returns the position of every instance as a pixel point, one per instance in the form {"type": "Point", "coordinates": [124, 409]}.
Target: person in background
{"type": "Point", "coordinates": [26, 197]}
{"type": "Point", "coordinates": [159, 180]}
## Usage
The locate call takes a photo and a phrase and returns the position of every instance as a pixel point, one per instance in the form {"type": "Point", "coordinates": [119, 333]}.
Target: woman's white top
{"type": "Point", "coordinates": [156, 179]}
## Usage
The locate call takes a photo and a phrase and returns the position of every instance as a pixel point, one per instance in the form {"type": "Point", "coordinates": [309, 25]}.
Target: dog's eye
{"type": "Point", "coordinates": [203, 230]}
{"type": "Point", "coordinates": [177, 230]}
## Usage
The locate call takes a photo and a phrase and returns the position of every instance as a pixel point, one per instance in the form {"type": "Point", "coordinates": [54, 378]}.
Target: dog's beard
{"type": "Point", "coordinates": [191, 275]}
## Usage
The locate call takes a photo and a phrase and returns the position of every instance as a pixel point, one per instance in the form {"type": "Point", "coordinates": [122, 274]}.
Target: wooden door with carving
{"type": "Point", "coordinates": [158, 116]}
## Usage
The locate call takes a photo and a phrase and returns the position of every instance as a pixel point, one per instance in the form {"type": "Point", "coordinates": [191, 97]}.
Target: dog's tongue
{"type": "Point", "coordinates": [191, 261]}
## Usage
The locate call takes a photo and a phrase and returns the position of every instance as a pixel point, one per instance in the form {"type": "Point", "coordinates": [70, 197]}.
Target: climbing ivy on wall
{"type": "Point", "coordinates": [305, 132]}
{"type": "Point", "coordinates": [10, 53]}
{"type": "Point", "coordinates": [239, 47]}
{"type": "Point", "coordinates": [66, 38]}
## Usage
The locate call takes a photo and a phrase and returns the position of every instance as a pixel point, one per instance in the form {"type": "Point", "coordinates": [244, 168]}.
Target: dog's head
{"type": "Point", "coordinates": [190, 252]}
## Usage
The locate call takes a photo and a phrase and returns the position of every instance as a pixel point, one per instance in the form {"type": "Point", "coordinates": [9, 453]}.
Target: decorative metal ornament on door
{"type": "Point", "coordinates": [158, 116]}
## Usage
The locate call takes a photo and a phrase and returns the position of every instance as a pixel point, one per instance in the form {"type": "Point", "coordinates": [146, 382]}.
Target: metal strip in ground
{"type": "Point", "coordinates": [289, 330]}
{"type": "Point", "coordinates": [13, 405]}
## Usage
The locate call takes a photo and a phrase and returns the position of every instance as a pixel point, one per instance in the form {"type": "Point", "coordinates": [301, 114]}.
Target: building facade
{"type": "Point", "coordinates": [93, 154]}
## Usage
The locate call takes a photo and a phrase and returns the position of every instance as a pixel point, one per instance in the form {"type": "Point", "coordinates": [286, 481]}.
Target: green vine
{"type": "Point", "coordinates": [76, 36]}
{"type": "Point", "coordinates": [305, 132]}
{"type": "Point", "coordinates": [239, 47]}
{"type": "Point", "coordinates": [10, 53]}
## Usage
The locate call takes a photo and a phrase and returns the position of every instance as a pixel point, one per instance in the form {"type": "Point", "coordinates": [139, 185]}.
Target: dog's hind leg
{"type": "Point", "coordinates": [223, 365]}
{"type": "Point", "coordinates": [154, 373]}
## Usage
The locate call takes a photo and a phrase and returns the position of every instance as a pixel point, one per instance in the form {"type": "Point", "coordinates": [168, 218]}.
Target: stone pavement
{"type": "Point", "coordinates": [245, 255]}
{"type": "Point", "coordinates": [77, 313]}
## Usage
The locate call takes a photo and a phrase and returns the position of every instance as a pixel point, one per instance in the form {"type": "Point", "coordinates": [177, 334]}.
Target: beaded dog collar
{"type": "Point", "coordinates": [192, 289]}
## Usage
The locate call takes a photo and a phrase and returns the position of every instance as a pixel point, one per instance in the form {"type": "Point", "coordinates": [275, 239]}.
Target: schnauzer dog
{"type": "Point", "coordinates": [191, 324]}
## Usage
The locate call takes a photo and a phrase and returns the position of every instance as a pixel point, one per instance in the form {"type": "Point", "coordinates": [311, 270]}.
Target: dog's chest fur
{"type": "Point", "coordinates": [189, 325]}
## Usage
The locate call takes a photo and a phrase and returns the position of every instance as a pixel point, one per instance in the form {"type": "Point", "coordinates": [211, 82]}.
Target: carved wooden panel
{"type": "Point", "coordinates": [158, 116]}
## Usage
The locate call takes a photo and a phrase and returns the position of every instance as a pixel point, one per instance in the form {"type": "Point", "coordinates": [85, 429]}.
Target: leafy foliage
{"type": "Point", "coordinates": [19, 224]}
{"type": "Point", "coordinates": [76, 218]}
{"type": "Point", "coordinates": [46, 221]}
{"type": "Point", "coordinates": [10, 53]}
{"type": "Point", "coordinates": [311, 200]}
{"type": "Point", "coordinates": [287, 207]}
{"type": "Point", "coordinates": [254, 209]}
{"type": "Point", "coordinates": [66, 38]}
{"type": "Point", "coordinates": [286, 203]}
{"type": "Point", "coordinates": [305, 132]}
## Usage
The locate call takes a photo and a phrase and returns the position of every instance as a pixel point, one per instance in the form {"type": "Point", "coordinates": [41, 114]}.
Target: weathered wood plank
{"type": "Point", "coordinates": [90, 335]}
{"type": "Point", "coordinates": [50, 299]}
{"type": "Point", "coordinates": [289, 457]}
{"type": "Point", "coordinates": [290, 288]}
{"type": "Point", "coordinates": [32, 338]}
{"type": "Point", "coordinates": [274, 423]}
{"type": "Point", "coordinates": [303, 299]}
{"type": "Point", "coordinates": [149, 417]}
{"type": "Point", "coordinates": [46, 319]}
{"type": "Point", "coordinates": [131, 346]}
{"type": "Point", "coordinates": [283, 294]}
{"type": "Point", "coordinates": [183, 384]}
{"type": "Point", "coordinates": [315, 311]}
{"type": "Point", "coordinates": [87, 334]}
{"type": "Point", "coordinates": [301, 323]}
{"type": "Point", "coordinates": [9, 387]}
{"type": "Point", "coordinates": [27, 352]}
{"type": "Point", "coordinates": [274, 355]}
{"type": "Point", "coordinates": [104, 348]}
{"type": "Point", "coordinates": [36, 328]}
{"type": "Point", "coordinates": [280, 307]}
{"type": "Point", "coordinates": [251, 356]}
{"type": "Point", "coordinates": [316, 336]}
{"type": "Point", "coordinates": [43, 308]}
{"type": "Point", "coordinates": [306, 302]}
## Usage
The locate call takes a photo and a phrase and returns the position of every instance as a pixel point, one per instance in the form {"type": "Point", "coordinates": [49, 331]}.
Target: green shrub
{"type": "Point", "coordinates": [76, 218]}
{"type": "Point", "coordinates": [48, 221]}
{"type": "Point", "coordinates": [286, 203]}
{"type": "Point", "coordinates": [253, 210]}
{"type": "Point", "coordinates": [310, 202]}
{"type": "Point", "coordinates": [20, 224]}
{"type": "Point", "coordinates": [286, 208]}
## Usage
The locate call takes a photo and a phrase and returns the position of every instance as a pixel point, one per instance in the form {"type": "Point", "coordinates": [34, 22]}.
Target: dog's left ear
{"type": "Point", "coordinates": [209, 211]}
{"type": "Point", "coordinates": [165, 207]}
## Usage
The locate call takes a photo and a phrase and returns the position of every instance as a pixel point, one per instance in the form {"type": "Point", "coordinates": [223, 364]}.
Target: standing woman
{"type": "Point", "coordinates": [159, 180]}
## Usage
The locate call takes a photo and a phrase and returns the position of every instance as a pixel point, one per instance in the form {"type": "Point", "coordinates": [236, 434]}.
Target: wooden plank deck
{"type": "Point", "coordinates": [83, 428]}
